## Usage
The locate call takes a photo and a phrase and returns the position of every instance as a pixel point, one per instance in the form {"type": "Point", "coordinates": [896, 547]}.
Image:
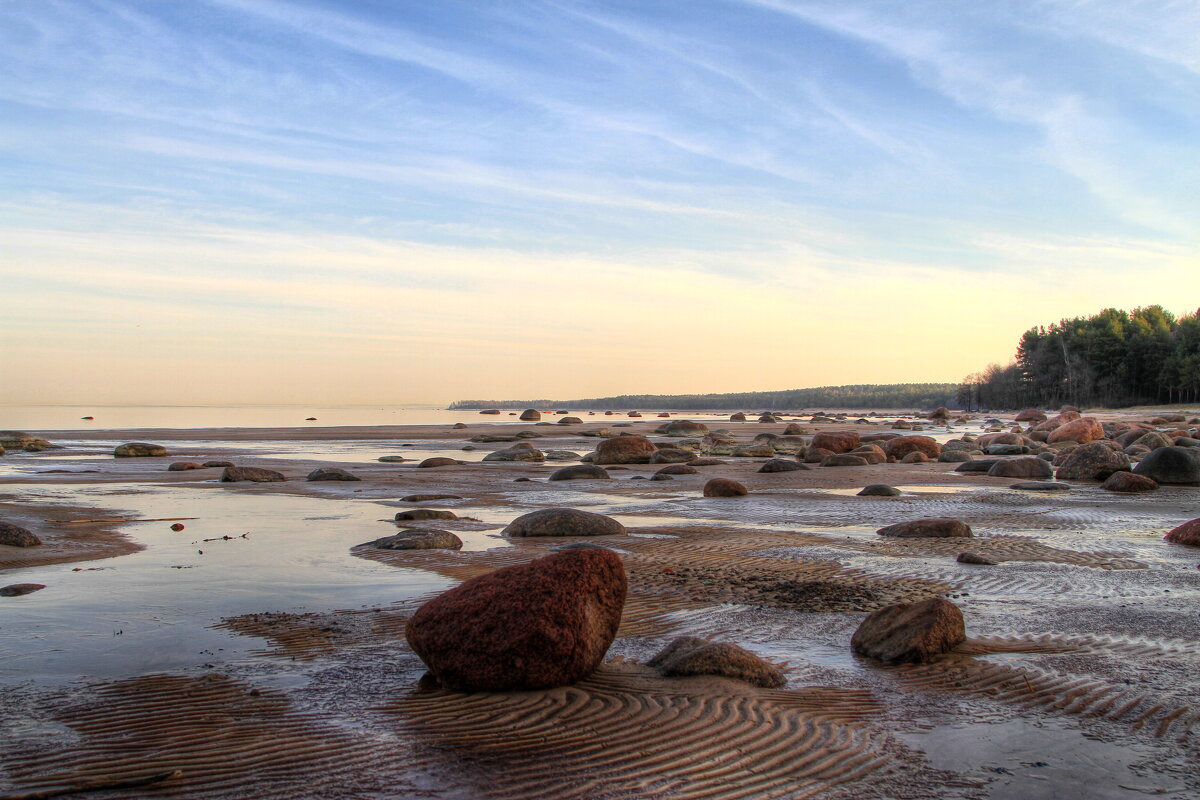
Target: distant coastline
{"type": "Point", "coordinates": [879, 396]}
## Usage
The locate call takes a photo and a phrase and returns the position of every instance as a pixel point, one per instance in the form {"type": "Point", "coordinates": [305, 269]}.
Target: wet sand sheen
{"type": "Point", "coordinates": [1051, 636]}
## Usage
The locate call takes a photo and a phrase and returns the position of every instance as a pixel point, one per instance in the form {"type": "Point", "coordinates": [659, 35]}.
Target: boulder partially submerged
{"type": "Point", "coordinates": [690, 656]}
{"type": "Point", "coordinates": [563, 522]}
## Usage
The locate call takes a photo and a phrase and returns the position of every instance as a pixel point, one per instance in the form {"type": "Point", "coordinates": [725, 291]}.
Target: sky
{"type": "Point", "coordinates": [390, 201]}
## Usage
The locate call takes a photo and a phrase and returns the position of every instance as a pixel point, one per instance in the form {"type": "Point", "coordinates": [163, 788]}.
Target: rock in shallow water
{"type": "Point", "coordinates": [18, 589]}
{"type": "Point", "coordinates": [563, 522]}
{"type": "Point", "coordinates": [1171, 465]}
{"type": "Point", "coordinates": [690, 656]}
{"type": "Point", "coordinates": [255, 474]}
{"type": "Point", "coordinates": [910, 633]}
{"type": "Point", "coordinates": [879, 490]}
{"type": "Point", "coordinates": [530, 626]}
{"type": "Point", "coordinates": [1129, 483]}
{"type": "Point", "coordinates": [581, 472]}
{"type": "Point", "coordinates": [414, 514]}
{"type": "Point", "coordinates": [419, 540]}
{"type": "Point", "coordinates": [139, 450]}
{"type": "Point", "coordinates": [724, 487]}
{"type": "Point", "coordinates": [783, 465]}
{"type": "Point", "coordinates": [16, 536]}
{"type": "Point", "coordinates": [331, 474]}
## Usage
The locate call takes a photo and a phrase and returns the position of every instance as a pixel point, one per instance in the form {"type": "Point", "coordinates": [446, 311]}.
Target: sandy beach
{"type": "Point", "coordinates": [260, 650]}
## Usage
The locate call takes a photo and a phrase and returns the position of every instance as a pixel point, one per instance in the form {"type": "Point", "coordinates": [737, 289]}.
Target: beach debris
{"type": "Point", "coordinates": [418, 539]}
{"type": "Point", "coordinates": [19, 589]}
{"type": "Point", "coordinates": [879, 490]}
{"type": "Point", "coordinates": [177, 527]}
{"type": "Point", "coordinates": [255, 474]}
{"type": "Point", "coordinates": [724, 487]}
{"type": "Point", "coordinates": [139, 450]}
{"type": "Point", "coordinates": [331, 474]}
{"type": "Point", "coordinates": [1187, 533]}
{"type": "Point", "coordinates": [539, 625]}
{"type": "Point", "coordinates": [415, 514]}
{"type": "Point", "coordinates": [942, 527]}
{"type": "Point", "coordinates": [689, 656]}
{"type": "Point", "coordinates": [1171, 465]}
{"type": "Point", "coordinates": [1093, 461]}
{"type": "Point", "coordinates": [624, 450]}
{"type": "Point", "coordinates": [14, 535]}
{"type": "Point", "coordinates": [563, 522]}
{"type": "Point", "coordinates": [581, 472]}
{"type": "Point", "coordinates": [910, 633]}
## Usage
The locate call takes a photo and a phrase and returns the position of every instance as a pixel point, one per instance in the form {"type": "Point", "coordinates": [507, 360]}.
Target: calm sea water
{"type": "Point", "coordinates": [70, 417]}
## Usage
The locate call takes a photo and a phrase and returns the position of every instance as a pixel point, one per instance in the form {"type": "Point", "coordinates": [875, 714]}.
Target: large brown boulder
{"type": "Point", "coordinates": [836, 441]}
{"type": "Point", "coordinates": [1187, 533]}
{"type": "Point", "coordinates": [1022, 467]}
{"type": "Point", "coordinates": [688, 656]}
{"type": "Point", "coordinates": [1031, 415]}
{"type": "Point", "coordinates": [1082, 430]}
{"type": "Point", "coordinates": [724, 487]}
{"type": "Point", "coordinates": [139, 450]}
{"type": "Point", "coordinates": [901, 446]}
{"type": "Point", "coordinates": [625, 450]}
{"type": "Point", "coordinates": [530, 415]}
{"type": "Point", "coordinates": [563, 522]}
{"type": "Point", "coordinates": [1093, 461]}
{"type": "Point", "coordinates": [910, 633]}
{"type": "Point", "coordinates": [530, 626]}
{"type": "Point", "coordinates": [1057, 421]}
{"type": "Point", "coordinates": [438, 461]}
{"type": "Point", "coordinates": [683, 427]}
{"type": "Point", "coordinates": [927, 528]}
{"type": "Point", "coordinates": [255, 474]}
{"type": "Point", "coordinates": [16, 536]}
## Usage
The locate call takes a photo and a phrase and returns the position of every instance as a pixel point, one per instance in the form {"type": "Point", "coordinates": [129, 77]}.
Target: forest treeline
{"type": "Point", "coordinates": [858, 396]}
{"type": "Point", "coordinates": [1111, 359]}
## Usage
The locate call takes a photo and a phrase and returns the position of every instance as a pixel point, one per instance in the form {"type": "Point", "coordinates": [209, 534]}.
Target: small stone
{"type": "Point", "coordinates": [255, 474]}
{"type": "Point", "coordinates": [331, 474]}
{"type": "Point", "coordinates": [424, 513]}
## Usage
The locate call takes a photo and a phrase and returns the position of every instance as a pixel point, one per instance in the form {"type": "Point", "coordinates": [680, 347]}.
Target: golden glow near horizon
{"type": "Point", "coordinates": [254, 201]}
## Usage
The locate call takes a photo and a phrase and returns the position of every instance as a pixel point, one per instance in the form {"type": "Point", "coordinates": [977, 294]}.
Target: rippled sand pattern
{"type": "Point", "coordinates": [625, 733]}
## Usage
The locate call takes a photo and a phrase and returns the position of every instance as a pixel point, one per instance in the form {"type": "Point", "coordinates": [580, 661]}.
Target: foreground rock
{"type": "Point", "coordinates": [901, 446]}
{"type": "Point", "coordinates": [16, 536]}
{"type": "Point", "coordinates": [256, 474]}
{"type": "Point", "coordinates": [331, 474]}
{"type": "Point", "coordinates": [879, 490]}
{"type": "Point", "coordinates": [1179, 466]}
{"type": "Point", "coordinates": [581, 472]}
{"type": "Point", "coordinates": [1187, 533]}
{"type": "Point", "coordinates": [18, 589]}
{"type": "Point", "coordinates": [625, 450]}
{"type": "Point", "coordinates": [1129, 483]}
{"type": "Point", "coordinates": [724, 487]}
{"type": "Point", "coordinates": [563, 522]}
{"type": "Point", "coordinates": [531, 626]}
{"type": "Point", "coordinates": [944, 527]}
{"type": "Point", "coordinates": [910, 633]}
{"type": "Point", "coordinates": [419, 540]}
{"type": "Point", "coordinates": [139, 450]}
{"type": "Point", "coordinates": [689, 656]}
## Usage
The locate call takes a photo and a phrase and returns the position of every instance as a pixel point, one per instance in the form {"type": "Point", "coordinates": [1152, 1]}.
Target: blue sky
{"type": "Point", "coordinates": [420, 201]}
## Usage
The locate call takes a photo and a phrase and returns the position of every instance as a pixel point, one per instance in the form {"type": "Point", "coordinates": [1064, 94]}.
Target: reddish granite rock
{"type": "Point", "coordinates": [688, 656]}
{"type": "Point", "coordinates": [919, 528]}
{"type": "Point", "coordinates": [901, 446]}
{"type": "Point", "coordinates": [1093, 461]}
{"type": "Point", "coordinates": [1128, 482]}
{"type": "Point", "coordinates": [530, 626]}
{"type": "Point", "coordinates": [1187, 533]}
{"type": "Point", "coordinates": [255, 474]}
{"type": "Point", "coordinates": [1082, 430]}
{"type": "Point", "coordinates": [678, 469]}
{"type": "Point", "coordinates": [625, 450]}
{"type": "Point", "coordinates": [836, 441]}
{"type": "Point", "coordinates": [724, 487]}
{"type": "Point", "coordinates": [910, 633]}
{"type": "Point", "coordinates": [1021, 467]}
{"type": "Point", "coordinates": [139, 450]}
{"type": "Point", "coordinates": [683, 427]}
{"type": "Point", "coordinates": [1031, 415]}
{"type": "Point", "coordinates": [915, 457]}
{"type": "Point", "coordinates": [844, 460]}
{"type": "Point", "coordinates": [967, 557]}
{"type": "Point", "coordinates": [581, 472]}
{"type": "Point", "coordinates": [438, 462]}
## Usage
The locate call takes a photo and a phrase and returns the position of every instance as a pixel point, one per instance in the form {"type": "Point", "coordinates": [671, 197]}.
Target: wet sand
{"type": "Point", "coordinates": [279, 667]}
